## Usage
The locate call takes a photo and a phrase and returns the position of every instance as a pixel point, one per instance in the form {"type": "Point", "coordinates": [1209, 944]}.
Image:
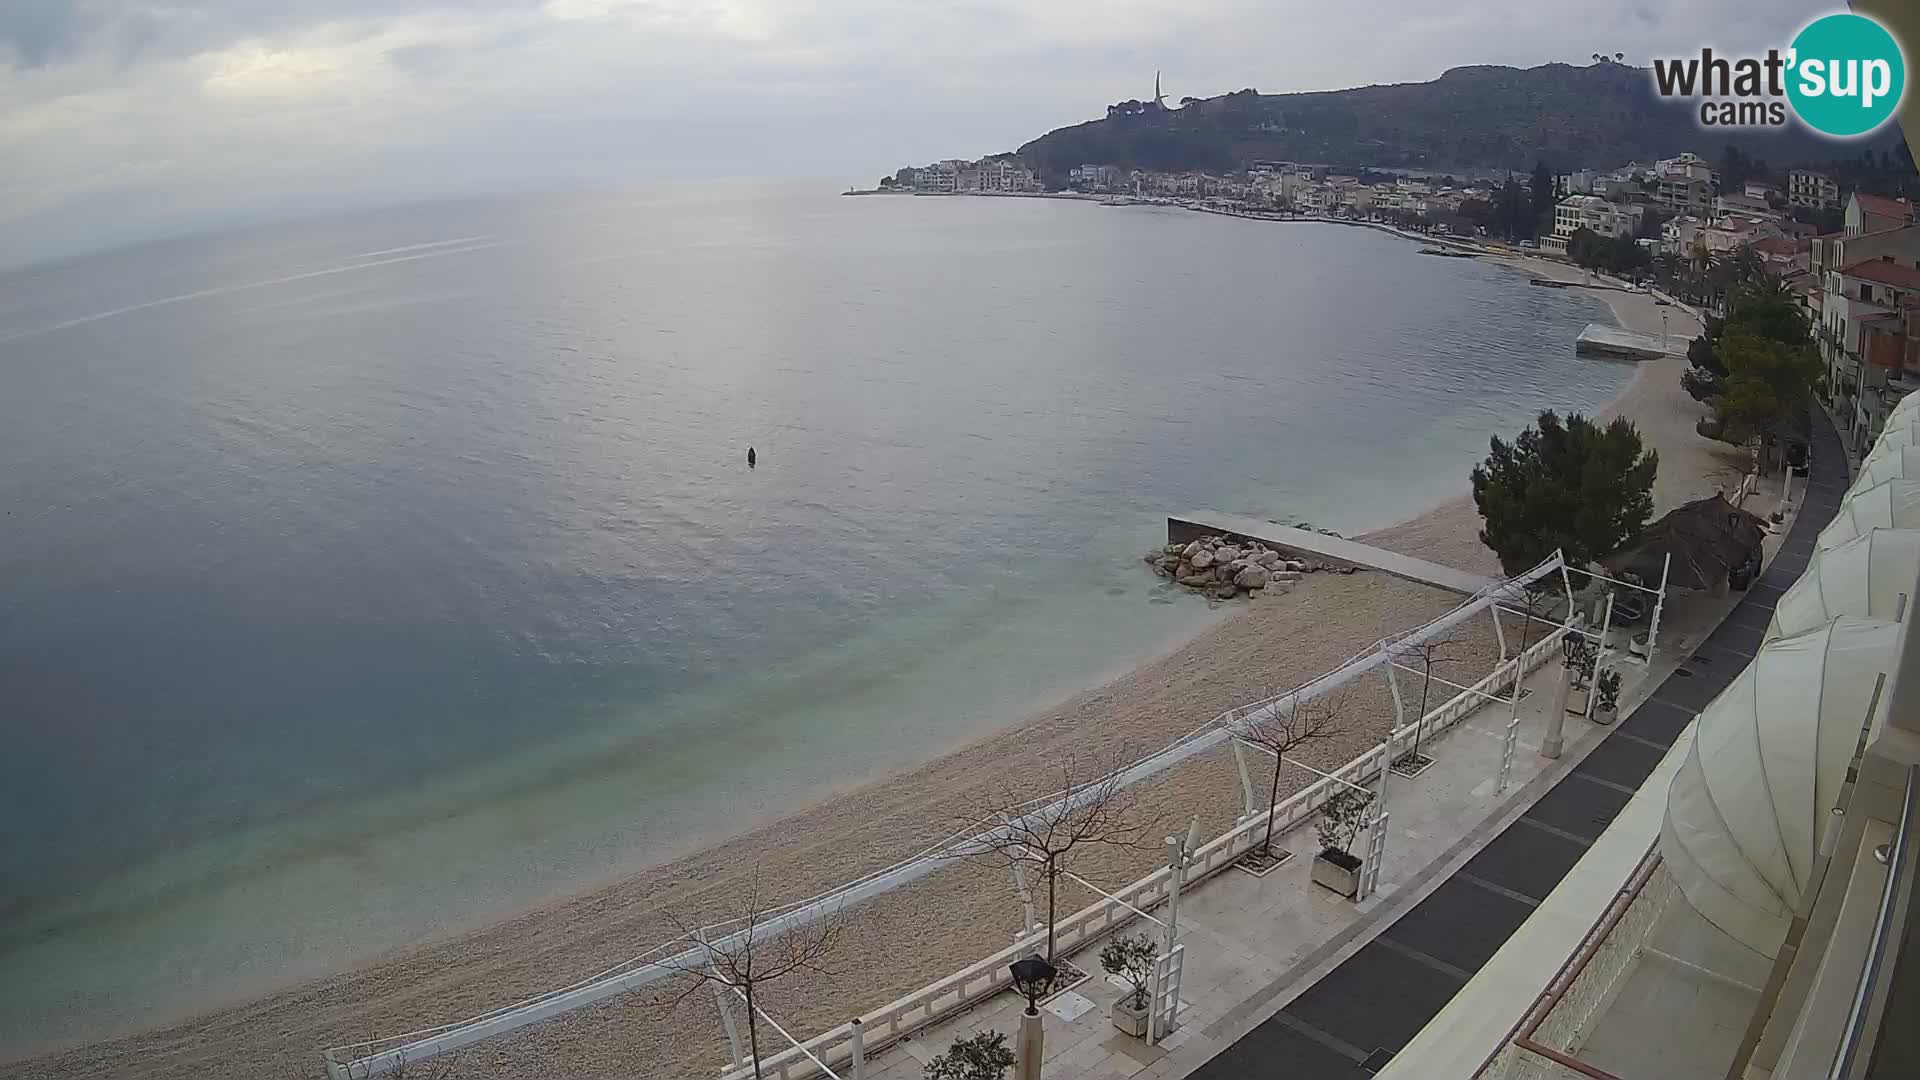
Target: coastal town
{"type": "Point", "coordinates": [1850, 256]}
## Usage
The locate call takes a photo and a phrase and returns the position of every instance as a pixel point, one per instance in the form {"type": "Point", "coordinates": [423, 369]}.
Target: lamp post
{"type": "Point", "coordinates": [1666, 343]}
{"type": "Point", "coordinates": [1032, 978]}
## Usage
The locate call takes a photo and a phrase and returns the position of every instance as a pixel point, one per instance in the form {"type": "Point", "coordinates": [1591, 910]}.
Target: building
{"type": "Point", "coordinates": [1002, 174]}
{"type": "Point", "coordinates": [1578, 183]}
{"type": "Point", "coordinates": [1748, 205]}
{"type": "Point", "coordinates": [1779, 254]}
{"type": "Point", "coordinates": [1875, 291]}
{"type": "Point", "coordinates": [1806, 187]}
{"type": "Point", "coordinates": [940, 178]}
{"type": "Point", "coordinates": [1875, 213]}
{"type": "Point", "coordinates": [1680, 235]}
{"type": "Point", "coordinates": [1578, 212]}
{"type": "Point", "coordinates": [1683, 193]}
{"type": "Point", "coordinates": [1094, 177]}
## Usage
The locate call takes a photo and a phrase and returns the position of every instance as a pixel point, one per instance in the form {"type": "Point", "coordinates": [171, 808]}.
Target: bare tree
{"type": "Point", "coordinates": [755, 949]}
{"type": "Point", "coordinates": [1282, 728]}
{"type": "Point", "coordinates": [1533, 600]}
{"type": "Point", "coordinates": [1441, 650]}
{"type": "Point", "coordinates": [1090, 810]}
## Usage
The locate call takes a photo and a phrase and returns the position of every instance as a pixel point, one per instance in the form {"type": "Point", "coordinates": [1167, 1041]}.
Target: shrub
{"type": "Point", "coordinates": [982, 1056]}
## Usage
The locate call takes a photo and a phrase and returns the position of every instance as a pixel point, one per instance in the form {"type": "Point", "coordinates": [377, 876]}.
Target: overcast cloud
{"type": "Point", "coordinates": [122, 119]}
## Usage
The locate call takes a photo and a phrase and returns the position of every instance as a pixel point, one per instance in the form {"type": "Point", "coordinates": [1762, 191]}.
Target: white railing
{"type": "Point", "coordinates": [360, 1061]}
{"type": "Point", "coordinates": [938, 1000]}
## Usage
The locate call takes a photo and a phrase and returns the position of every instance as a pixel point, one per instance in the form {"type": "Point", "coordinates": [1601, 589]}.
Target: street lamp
{"type": "Point", "coordinates": [1033, 979]}
{"type": "Point", "coordinates": [1666, 344]}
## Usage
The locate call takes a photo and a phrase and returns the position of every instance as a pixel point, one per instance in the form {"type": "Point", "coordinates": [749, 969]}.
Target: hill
{"type": "Point", "coordinates": [1471, 118]}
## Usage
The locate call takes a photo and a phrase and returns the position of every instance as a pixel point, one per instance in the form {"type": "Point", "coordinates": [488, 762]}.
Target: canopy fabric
{"type": "Point", "coordinates": [1865, 576]}
{"type": "Point", "coordinates": [1706, 538]}
{"type": "Point", "coordinates": [1888, 463]}
{"type": "Point", "coordinates": [1890, 504]}
{"type": "Point", "coordinates": [1747, 808]}
{"type": "Point", "coordinates": [1905, 412]}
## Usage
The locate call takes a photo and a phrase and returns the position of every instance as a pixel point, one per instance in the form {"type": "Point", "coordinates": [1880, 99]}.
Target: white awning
{"type": "Point", "coordinates": [1890, 504]}
{"type": "Point", "coordinates": [1888, 463]}
{"type": "Point", "coordinates": [1749, 805]}
{"type": "Point", "coordinates": [1905, 411]}
{"type": "Point", "coordinates": [1865, 576]}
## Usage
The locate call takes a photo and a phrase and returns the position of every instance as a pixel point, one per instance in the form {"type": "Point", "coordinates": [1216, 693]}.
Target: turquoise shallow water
{"type": "Point", "coordinates": [369, 578]}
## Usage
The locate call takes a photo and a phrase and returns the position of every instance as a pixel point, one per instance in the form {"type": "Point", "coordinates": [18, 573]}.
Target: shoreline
{"type": "Point", "coordinates": [863, 825]}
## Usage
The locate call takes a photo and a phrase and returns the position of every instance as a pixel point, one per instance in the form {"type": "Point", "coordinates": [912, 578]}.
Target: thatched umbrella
{"type": "Point", "coordinates": [1706, 538]}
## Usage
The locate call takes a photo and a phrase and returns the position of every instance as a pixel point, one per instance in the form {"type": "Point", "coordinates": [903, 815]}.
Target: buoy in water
{"type": "Point", "coordinates": [751, 457]}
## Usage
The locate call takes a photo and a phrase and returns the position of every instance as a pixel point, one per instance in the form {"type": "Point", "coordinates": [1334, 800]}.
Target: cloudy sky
{"type": "Point", "coordinates": [125, 119]}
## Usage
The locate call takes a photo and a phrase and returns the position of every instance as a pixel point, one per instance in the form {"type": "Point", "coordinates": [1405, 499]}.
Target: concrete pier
{"type": "Point", "coordinates": [1321, 548]}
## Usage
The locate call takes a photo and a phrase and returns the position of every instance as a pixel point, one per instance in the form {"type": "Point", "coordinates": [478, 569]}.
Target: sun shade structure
{"type": "Point", "coordinates": [1891, 463]}
{"type": "Point", "coordinates": [1748, 807]}
{"type": "Point", "coordinates": [1866, 576]}
{"type": "Point", "coordinates": [1706, 537]}
{"type": "Point", "coordinates": [1890, 504]}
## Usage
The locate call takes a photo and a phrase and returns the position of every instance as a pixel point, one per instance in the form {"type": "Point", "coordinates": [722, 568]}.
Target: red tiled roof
{"type": "Point", "coordinates": [1886, 273]}
{"type": "Point", "coordinates": [1881, 206]}
{"type": "Point", "coordinates": [1775, 245]}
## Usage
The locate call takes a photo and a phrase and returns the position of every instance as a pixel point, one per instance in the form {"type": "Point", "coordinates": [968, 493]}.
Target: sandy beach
{"type": "Point", "coordinates": [907, 938]}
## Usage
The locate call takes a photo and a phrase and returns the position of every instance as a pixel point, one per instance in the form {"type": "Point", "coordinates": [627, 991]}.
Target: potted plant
{"type": "Point", "coordinates": [1131, 959]}
{"type": "Point", "coordinates": [1341, 817]}
{"type": "Point", "coordinates": [981, 1056]}
{"type": "Point", "coordinates": [1606, 700]}
{"type": "Point", "coordinates": [1582, 654]}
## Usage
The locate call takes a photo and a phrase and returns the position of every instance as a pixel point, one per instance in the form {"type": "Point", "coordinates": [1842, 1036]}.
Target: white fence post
{"type": "Point", "coordinates": [1377, 828]}
{"type": "Point", "coordinates": [858, 1039]}
{"type": "Point", "coordinates": [1513, 726]}
{"type": "Point", "coordinates": [1246, 780]}
{"type": "Point", "coordinates": [1659, 602]}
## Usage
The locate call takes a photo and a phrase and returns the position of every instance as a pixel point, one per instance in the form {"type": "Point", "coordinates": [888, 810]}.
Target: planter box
{"type": "Point", "coordinates": [1338, 871]}
{"type": "Point", "coordinates": [1131, 1021]}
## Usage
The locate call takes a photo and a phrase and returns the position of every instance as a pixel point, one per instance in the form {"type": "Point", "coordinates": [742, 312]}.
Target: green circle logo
{"type": "Point", "coordinates": [1847, 75]}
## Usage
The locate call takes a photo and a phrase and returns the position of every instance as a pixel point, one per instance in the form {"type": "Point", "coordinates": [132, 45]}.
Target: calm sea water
{"type": "Point", "coordinates": [365, 579]}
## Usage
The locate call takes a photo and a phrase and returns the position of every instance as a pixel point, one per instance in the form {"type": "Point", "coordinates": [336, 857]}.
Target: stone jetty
{"type": "Point", "coordinates": [1224, 569]}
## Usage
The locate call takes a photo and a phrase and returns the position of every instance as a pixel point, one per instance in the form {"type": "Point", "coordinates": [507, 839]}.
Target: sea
{"type": "Point", "coordinates": [369, 578]}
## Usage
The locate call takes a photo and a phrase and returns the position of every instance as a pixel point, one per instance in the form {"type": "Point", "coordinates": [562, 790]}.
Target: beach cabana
{"type": "Point", "coordinates": [1769, 756]}
{"type": "Point", "coordinates": [1890, 504]}
{"type": "Point", "coordinates": [1705, 539]}
{"type": "Point", "coordinates": [1871, 576]}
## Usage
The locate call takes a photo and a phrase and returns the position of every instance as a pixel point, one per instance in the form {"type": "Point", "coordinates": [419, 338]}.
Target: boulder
{"type": "Point", "coordinates": [1267, 558]}
{"type": "Point", "coordinates": [1283, 575]}
{"type": "Point", "coordinates": [1201, 559]}
{"type": "Point", "coordinates": [1297, 567]}
{"type": "Point", "coordinates": [1174, 549]}
{"type": "Point", "coordinates": [1226, 553]}
{"type": "Point", "coordinates": [1195, 581]}
{"type": "Point", "coordinates": [1223, 592]}
{"type": "Point", "coordinates": [1251, 577]}
{"type": "Point", "coordinates": [1192, 549]}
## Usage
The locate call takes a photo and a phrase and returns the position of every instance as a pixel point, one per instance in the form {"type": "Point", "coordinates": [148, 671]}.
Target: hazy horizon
{"type": "Point", "coordinates": [128, 121]}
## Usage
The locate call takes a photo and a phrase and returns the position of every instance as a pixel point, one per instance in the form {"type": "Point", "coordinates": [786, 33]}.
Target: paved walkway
{"type": "Point", "coordinates": [1250, 939]}
{"type": "Point", "coordinates": [1350, 1022]}
{"type": "Point", "coordinates": [1323, 548]}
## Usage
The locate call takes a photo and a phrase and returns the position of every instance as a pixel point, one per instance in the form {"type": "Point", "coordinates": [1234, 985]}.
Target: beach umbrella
{"type": "Point", "coordinates": [1705, 538]}
{"type": "Point", "coordinates": [1890, 504]}
{"type": "Point", "coordinates": [1871, 575]}
{"type": "Point", "coordinates": [1897, 436]}
{"type": "Point", "coordinates": [1769, 756]}
{"type": "Point", "coordinates": [1888, 463]}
